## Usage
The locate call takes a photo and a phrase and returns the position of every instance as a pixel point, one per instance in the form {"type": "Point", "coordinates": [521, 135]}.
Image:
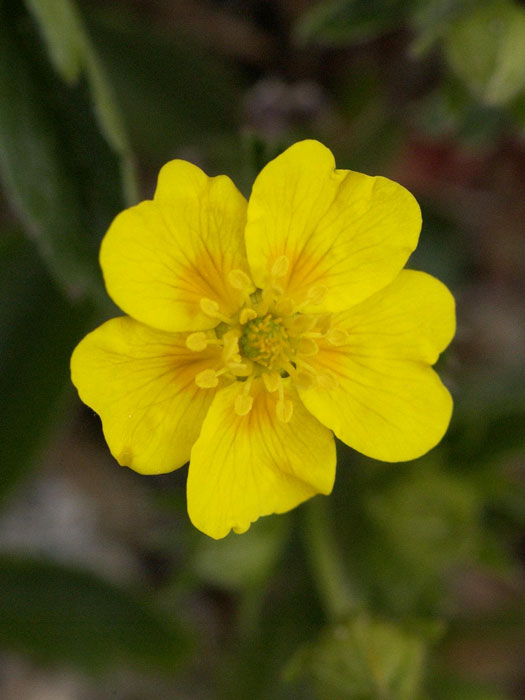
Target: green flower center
{"type": "Point", "coordinates": [266, 341]}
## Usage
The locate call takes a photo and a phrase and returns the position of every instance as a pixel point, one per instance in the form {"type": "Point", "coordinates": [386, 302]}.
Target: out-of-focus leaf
{"type": "Point", "coordinates": [430, 18]}
{"type": "Point", "coordinates": [39, 329]}
{"type": "Point", "coordinates": [452, 111]}
{"type": "Point", "coordinates": [363, 659]}
{"type": "Point", "coordinates": [35, 177]}
{"type": "Point", "coordinates": [60, 174]}
{"type": "Point", "coordinates": [72, 53]}
{"type": "Point", "coordinates": [486, 49]}
{"type": "Point", "coordinates": [63, 34]}
{"type": "Point", "coordinates": [173, 93]}
{"type": "Point", "coordinates": [239, 562]}
{"type": "Point", "coordinates": [429, 519]}
{"type": "Point", "coordinates": [61, 615]}
{"type": "Point", "coordinates": [345, 22]}
{"type": "Point", "coordinates": [490, 418]}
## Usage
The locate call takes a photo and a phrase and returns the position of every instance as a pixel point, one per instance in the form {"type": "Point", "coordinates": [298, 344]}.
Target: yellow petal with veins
{"type": "Point", "coordinates": [160, 258]}
{"type": "Point", "coordinates": [141, 383]}
{"type": "Point", "coordinates": [387, 402]}
{"type": "Point", "coordinates": [341, 232]}
{"type": "Point", "coordinates": [246, 466]}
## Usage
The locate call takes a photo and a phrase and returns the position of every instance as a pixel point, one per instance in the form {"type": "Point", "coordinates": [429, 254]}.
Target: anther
{"type": "Point", "coordinates": [284, 410]}
{"type": "Point", "coordinates": [271, 293]}
{"type": "Point", "coordinates": [243, 404]}
{"type": "Point", "coordinates": [230, 351]}
{"type": "Point", "coordinates": [303, 323]}
{"type": "Point", "coordinates": [196, 341]}
{"type": "Point", "coordinates": [280, 267]}
{"type": "Point", "coordinates": [271, 381]}
{"type": "Point", "coordinates": [337, 337]}
{"type": "Point", "coordinates": [207, 379]}
{"type": "Point", "coordinates": [211, 308]}
{"type": "Point", "coordinates": [304, 380]}
{"type": "Point", "coordinates": [240, 280]}
{"type": "Point", "coordinates": [307, 347]}
{"type": "Point", "coordinates": [284, 307]}
{"type": "Point", "coordinates": [246, 315]}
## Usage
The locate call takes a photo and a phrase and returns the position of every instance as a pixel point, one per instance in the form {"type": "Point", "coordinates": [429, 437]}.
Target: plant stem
{"type": "Point", "coordinates": [337, 594]}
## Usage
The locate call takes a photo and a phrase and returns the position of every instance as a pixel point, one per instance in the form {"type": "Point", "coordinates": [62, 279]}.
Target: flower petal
{"type": "Point", "coordinates": [243, 467]}
{"type": "Point", "coordinates": [141, 383]}
{"type": "Point", "coordinates": [388, 404]}
{"type": "Point", "coordinates": [413, 318]}
{"type": "Point", "coordinates": [161, 257]}
{"type": "Point", "coordinates": [340, 230]}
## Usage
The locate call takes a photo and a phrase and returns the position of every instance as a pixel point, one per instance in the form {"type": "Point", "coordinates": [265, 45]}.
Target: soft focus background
{"type": "Point", "coordinates": [408, 583]}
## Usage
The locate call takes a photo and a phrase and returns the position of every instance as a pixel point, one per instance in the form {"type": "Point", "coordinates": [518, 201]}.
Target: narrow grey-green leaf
{"type": "Point", "coordinates": [37, 181]}
{"type": "Point", "coordinates": [57, 614]}
{"type": "Point", "coordinates": [72, 53]}
{"type": "Point", "coordinates": [63, 34]}
{"type": "Point", "coordinates": [175, 92]}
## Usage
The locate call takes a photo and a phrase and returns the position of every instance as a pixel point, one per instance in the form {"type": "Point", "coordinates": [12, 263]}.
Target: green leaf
{"type": "Point", "coordinates": [35, 177]}
{"type": "Point", "coordinates": [60, 175]}
{"type": "Point", "coordinates": [363, 659]}
{"type": "Point", "coordinates": [39, 329]}
{"type": "Point", "coordinates": [345, 22]}
{"type": "Point", "coordinates": [428, 518]}
{"type": "Point", "coordinates": [72, 54]}
{"type": "Point", "coordinates": [431, 18]}
{"type": "Point", "coordinates": [62, 32]}
{"type": "Point", "coordinates": [173, 92]}
{"type": "Point", "coordinates": [61, 615]}
{"type": "Point", "coordinates": [486, 49]}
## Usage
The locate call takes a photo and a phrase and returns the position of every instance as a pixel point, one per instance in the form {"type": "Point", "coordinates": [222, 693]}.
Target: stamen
{"type": "Point", "coordinates": [240, 369]}
{"type": "Point", "coordinates": [324, 322]}
{"type": "Point", "coordinates": [280, 267]}
{"type": "Point", "coordinates": [284, 410]}
{"type": "Point", "coordinates": [243, 401]}
{"type": "Point", "coordinates": [304, 380]}
{"type": "Point", "coordinates": [230, 351]}
{"type": "Point", "coordinates": [243, 404]}
{"type": "Point", "coordinates": [246, 315]}
{"type": "Point", "coordinates": [197, 342]}
{"type": "Point", "coordinates": [307, 347]}
{"type": "Point", "coordinates": [301, 363]}
{"type": "Point", "coordinates": [303, 323]}
{"type": "Point", "coordinates": [207, 379]}
{"type": "Point", "coordinates": [240, 280]}
{"type": "Point", "coordinates": [337, 337]}
{"type": "Point", "coordinates": [271, 381]}
{"type": "Point", "coordinates": [211, 309]}
{"type": "Point", "coordinates": [272, 293]}
{"type": "Point", "coordinates": [284, 307]}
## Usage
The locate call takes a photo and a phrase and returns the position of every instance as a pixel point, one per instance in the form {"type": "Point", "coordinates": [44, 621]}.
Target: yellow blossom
{"type": "Point", "coordinates": [255, 330]}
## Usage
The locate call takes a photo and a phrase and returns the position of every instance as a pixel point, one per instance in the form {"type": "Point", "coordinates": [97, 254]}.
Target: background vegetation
{"type": "Point", "coordinates": [408, 582]}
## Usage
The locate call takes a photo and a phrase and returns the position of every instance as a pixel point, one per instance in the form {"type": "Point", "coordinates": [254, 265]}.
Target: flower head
{"type": "Point", "coordinates": [256, 329]}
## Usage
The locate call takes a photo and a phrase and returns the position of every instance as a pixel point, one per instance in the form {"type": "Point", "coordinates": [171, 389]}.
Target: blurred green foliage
{"type": "Point", "coordinates": [351, 596]}
{"type": "Point", "coordinates": [59, 614]}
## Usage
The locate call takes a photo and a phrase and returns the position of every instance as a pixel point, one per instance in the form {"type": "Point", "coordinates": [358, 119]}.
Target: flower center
{"type": "Point", "coordinates": [269, 338]}
{"type": "Point", "coordinates": [265, 340]}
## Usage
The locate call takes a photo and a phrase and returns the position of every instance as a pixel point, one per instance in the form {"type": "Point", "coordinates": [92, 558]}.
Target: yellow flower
{"type": "Point", "coordinates": [256, 329]}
